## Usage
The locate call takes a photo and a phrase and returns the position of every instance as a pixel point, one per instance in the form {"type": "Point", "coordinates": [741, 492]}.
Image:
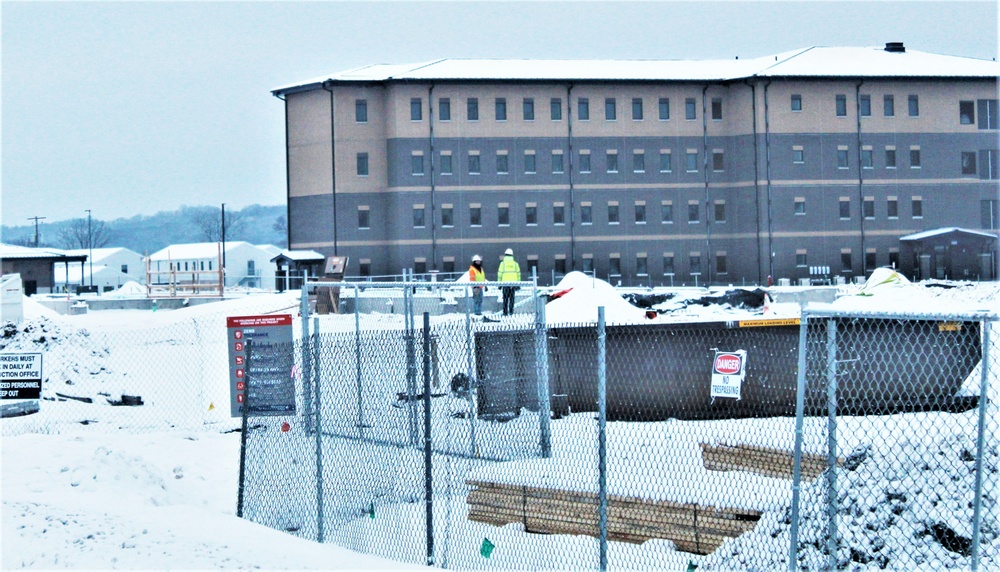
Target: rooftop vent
{"type": "Point", "coordinates": [895, 47]}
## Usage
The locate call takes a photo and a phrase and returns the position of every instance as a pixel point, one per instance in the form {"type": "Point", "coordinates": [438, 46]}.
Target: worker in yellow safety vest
{"type": "Point", "coordinates": [476, 274]}
{"type": "Point", "coordinates": [509, 271]}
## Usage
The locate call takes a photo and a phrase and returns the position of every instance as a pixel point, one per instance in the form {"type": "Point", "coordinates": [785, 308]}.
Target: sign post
{"type": "Point", "coordinates": [272, 364]}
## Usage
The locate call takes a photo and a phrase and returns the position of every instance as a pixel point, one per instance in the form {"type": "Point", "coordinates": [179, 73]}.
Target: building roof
{"type": "Point", "coordinates": [299, 256]}
{"type": "Point", "coordinates": [946, 230]}
{"type": "Point", "coordinates": [101, 253]}
{"type": "Point", "coordinates": [817, 62]}
{"type": "Point", "coordinates": [197, 250]}
{"type": "Point", "coordinates": [13, 251]}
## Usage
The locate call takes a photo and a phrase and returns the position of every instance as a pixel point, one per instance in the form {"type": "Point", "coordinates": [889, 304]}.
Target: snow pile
{"type": "Point", "coordinates": [128, 289]}
{"type": "Point", "coordinates": [903, 508]}
{"type": "Point", "coordinates": [583, 295]}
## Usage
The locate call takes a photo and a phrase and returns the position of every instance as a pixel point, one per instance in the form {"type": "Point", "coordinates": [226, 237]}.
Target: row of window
{"type": "Point", "coordinates": [967, 109]}
{"type": "Point", "coordinates": [694, 212]}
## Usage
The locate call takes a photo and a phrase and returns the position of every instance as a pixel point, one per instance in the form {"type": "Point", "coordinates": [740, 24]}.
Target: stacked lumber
{"type": "Point", "coordinates": [761, 460]}
{"type": "Point", "coordinates": [691, 527]}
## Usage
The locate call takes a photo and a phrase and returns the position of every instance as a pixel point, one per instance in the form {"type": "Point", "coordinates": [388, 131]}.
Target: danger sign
{"type": "Point", "coordinates": [728, 371]}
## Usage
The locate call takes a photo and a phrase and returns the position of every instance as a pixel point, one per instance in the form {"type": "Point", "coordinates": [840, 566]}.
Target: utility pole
{"type": "Point", "coordinates": [90, 247]}
{"type": "Point", "coordinates": [36, 219]}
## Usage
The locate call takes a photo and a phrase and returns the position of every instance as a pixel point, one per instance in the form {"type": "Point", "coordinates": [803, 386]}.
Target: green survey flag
{"type": "Point", "coordinates": [487, 548]}
{"type": "Point", "coordinates": [371, 509]}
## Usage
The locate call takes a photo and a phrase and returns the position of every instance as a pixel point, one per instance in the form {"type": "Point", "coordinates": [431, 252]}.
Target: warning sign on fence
{"type": "Point", "coordinates": [728, 371]}
{"type": "Point", "coordinates": [271, 389]}
{"type": "Point", "coordinates": [20, 376]}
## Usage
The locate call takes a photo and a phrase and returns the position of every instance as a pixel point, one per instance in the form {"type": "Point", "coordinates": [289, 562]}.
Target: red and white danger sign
{"type": "Point", "coordinates": [728, 372]}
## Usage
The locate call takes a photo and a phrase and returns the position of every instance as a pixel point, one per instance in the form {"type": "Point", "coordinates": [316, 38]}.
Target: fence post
{"type": "Point", "coordinates": [319, 440]}
{"type": "Point", "coordinates": [428, 458]}
{"type": "Point", "coordinates": [306, 352]}
{"type": "Point", "coordinates": [357, 359]}
{"type": "Point", "coordinates": [977, 518]}
{"type": "Point", "coordinates": [411, 360]}
{"type": "Point", "coordinates": [470, 372]}
{"type": "Point", "coordinates": [243, 430]}
{"type": "Point", "coordinates": [602, 460]}
{"type": "Point", "coordinates": [800, 399]}
{"type": "Point", "coordinates": [542, 371]}
{"type": "Point", "coordinates": [831, 438]}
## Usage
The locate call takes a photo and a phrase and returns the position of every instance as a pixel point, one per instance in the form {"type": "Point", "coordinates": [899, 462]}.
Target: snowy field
{"type": "Point", "coordinates": [157, 488]}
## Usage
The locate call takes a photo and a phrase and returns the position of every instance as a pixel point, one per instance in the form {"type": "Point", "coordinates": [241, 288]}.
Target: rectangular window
{"type": "Point", "coordinates": [890, 158]}
{"type": "Point", "coordinates": [588, 264]}
{"type": "Point", "coordinates": [692, 161]}
{"type": "Point", "coordinates": [913, 103]}
{"type": "Point", "coordinates": [613, 213]}
{"type": "Point", "coordinates": [418, 216]}
{"type": "Point", "coordinates": [865, 105]}
{"type": "Point", "coordinates": [502, 163]}
{"type": "Point", "coordinates": [531, 214]}
{"type": "Point", "coordinates": [640, 212]}
{"type": "Point", "coordinates": [988, 214]}
{"type": "Point", "coordinates": [694, 262]}
{"type": "Point", "coordinates": [638, 162]}
{"type": "Point", "coordinates": [558, 213]}
{"type": "Point", "coordinates": [448, 264]}
{"type": "Point", "coordinates": [667, 212]}
{"type": "Point", "coordinates": [720, 211]}
{"type": "Point", "coordinates": [841, 105]}
{"type": "Point", "coordinates": [988, 164]}
{"type": "Point", "coordinates": [472, 109]}
{"type": "Point", "coordinates": [557, 162]}
{"type": "Point", "coordinates": [721, 265]}
{"type": "Point", "coordinates": [914, 157]}
{"type": "Point", "coordinates": [528, 108]}
{"type": "Point", "coordinates": [444, 109]}
{"type": "Point", "coordinates": [668, 264]}
{"type": "Point", "coordinates": [867, 162]}
{"type": "Point", "coordinates": [690, 109]}
{"type": "Point", "coordinates": [641, 268]}
{"type": "Point", "coordinates": [416, 109]}
{"type": "Point", "coordinates": [966, 112]}
{"type": "Point", "coordinates": [888, 105]}
{"type": "Point", "coordinates": [417, 165]}
{"type": "Point", "coordinates": [610, 109]}
{"type": "Point", "coordinates": [717, 161]}
{"type": "Point", "coordinates": [664, 108]}
{"type": "Point", "coordinates": [583, 109]}
{"type": "Point", "coordinates": [917, 207]}
{"type": "Point", "coordinates": [694, 212]}
{"type": "Point", "coordinates": [846, 263]}
{"type": "Point", "coordinates": [842, 159]}
{"type": "Point", "coordinates": [473, 163]}
{"type": "Point", "coordinates": [555, 108]}
{"type": "Point", "coordinates": [420, 266]}
{"type": "Point", "coordinates": [125, 268]}
{"type": "Point", "coordinates": [362, 164]}
{"type": "Point", "coordinates": [560, 264]}
{"type": "Point", "coordinates": [716, 109]}
{"type": "Point", "coordinates": [615, 266]}
{"type": "Point", "coordinates": [868, 207]}
{"type": "Point", "coordinates": [612, 162]}
{"type": "Point", "coordinates": [501, 109]}
{"type": "Point", "coordinates": [845, 209]}
{"type": "Point", "coordinates": [361, 110]}
{"type": "Point", "coordinates": [637, 109]}
{"type": "Point", "coordinates": [529, 162]}
{"type": "Point", "coordinates": [801, 259]}
{"type": "Point", "coordinates": [584, 162]}
{"type": "Point", "coordinates": [503, 214]}
{"type": "Point", "coordinates": [796, 102]}
{"type": "Point", "coordinates": [363, 221]}
{"type": "Point", "coordinates": [892, 207]}
{"type": "Point", "coordinates": [987, 113]}
{"type": "Point", "coordinates": [800, 206]}
{"type": "Point", "coordinates": [969, 163]}
{"type": "Point", "coordinates": [893, 258]}
{"type": "Point", "coordinates": [666, 165]}
{"type": "Point", "coordinates": [365, 268]}
{"type": "Point", "coordinates": [798, 155]}
{"type": "Point", "coordinates": [586, 214]}
{"type": "Point", "coordinates": [446, 164]}
{"type": "Point", "coordinates": [475, 215]}
{"type": "Point", "coordinates": [447, 215]}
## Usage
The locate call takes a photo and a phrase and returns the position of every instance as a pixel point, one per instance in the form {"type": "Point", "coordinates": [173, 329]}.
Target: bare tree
{"type": "Point", "coordinates": [25, 240]}
{"type": "Point", "coordinates": [77, 234]}
{"type": "Point", "coordinates": [280, 226]}
{"type": "Point", "coordinates": [209, 223]}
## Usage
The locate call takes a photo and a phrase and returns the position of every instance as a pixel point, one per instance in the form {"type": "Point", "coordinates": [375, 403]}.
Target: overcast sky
{"type": "Point", "coordinates": [132, 108]}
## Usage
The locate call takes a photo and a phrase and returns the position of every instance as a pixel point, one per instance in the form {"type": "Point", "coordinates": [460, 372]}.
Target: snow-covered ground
{"type": "Point", "coordinates": [157, 488]}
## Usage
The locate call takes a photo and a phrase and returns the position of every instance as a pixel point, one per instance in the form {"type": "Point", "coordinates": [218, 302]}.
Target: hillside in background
{"type": "Point", "coordinates": [255, 224]}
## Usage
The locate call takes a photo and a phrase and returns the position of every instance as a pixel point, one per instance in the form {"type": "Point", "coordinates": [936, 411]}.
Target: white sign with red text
{"type": "Point", "coordinates": [728, 371]}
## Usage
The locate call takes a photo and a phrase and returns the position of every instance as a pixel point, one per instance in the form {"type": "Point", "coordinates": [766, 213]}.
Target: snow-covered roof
{"type": "Point", "coordinates": [807, 62]}
{"type": "Point", "coordinates": [195, 250]}
{"type": "Point", "coordinates": [11, 251]}
{"type": "Point", "coordinates": [270, 249]}
{"type": "Point", "coordinates": [945, 230]}
{"type": "Point", "coordinates": [300, 256]}
{"type": "Point", "coordinates": [100, 253]}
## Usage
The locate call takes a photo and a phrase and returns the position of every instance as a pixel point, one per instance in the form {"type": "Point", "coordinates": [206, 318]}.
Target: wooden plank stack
{"type": "Point", "coordinates": [761, 460]}
{"type": "Point", "coordinates": [692, 528]}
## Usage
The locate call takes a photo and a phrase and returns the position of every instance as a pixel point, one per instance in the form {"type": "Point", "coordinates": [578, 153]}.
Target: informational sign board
{"type": "Point", "coordinates": [266, 382]}
{"type": "Point", "coordinates": [728, 371]}
{"type": "Point", "coordinates": [20, 376]}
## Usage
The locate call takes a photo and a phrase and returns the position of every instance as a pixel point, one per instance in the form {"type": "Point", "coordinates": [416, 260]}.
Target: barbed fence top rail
{"type": "Point", "coordinates": [950, 313]}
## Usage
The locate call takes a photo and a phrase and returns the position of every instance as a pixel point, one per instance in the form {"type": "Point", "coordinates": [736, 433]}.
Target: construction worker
{"type": "Point", "coordinates": [509, 271]}
{"type": "Point", "coordinates": [476, 274]}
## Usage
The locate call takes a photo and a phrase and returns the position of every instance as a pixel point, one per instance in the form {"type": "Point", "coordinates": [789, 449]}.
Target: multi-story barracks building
{"type": "Point", "coordinates": [815, 161]}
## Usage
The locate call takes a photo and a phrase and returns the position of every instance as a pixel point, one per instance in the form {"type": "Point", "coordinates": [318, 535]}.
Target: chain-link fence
{"type": "Point", "coordinates": [666, 446]}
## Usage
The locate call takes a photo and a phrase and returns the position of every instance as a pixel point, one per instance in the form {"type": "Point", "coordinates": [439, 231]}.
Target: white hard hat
{"type": "Point", "coordinates": [477, 258]}
{"type": "Point", "coordinates": [509, 252]}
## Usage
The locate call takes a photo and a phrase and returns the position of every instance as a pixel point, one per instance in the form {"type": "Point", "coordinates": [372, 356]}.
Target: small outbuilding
{"type": "Point", "coordinates": [950, 253]}
{"type": "Point", "coordinates": [290, 265]}
{"type": "Point", "coordinates": [37, 268]}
